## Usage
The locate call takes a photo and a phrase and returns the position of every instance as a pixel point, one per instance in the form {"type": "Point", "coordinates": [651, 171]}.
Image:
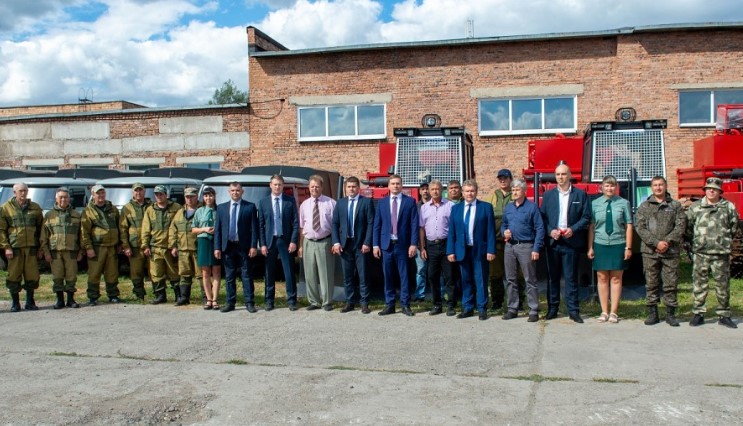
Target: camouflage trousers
{"type": "Point", "coordinates": [665, 270]}
{"type": "Point", "coordinates": [718, 265]}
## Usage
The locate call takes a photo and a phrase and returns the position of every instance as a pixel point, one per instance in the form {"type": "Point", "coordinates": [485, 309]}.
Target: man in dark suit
{"type": "Point", "coordinates": [395, 241]}
{"type": "Point", "coordinates": [353, 223]}
{"type": "Point", "coordinates": [235, 242]}
{"type": "Point", "coordinates": [471, 242]}
{"type": "Point", "coordinates": [567, 212]}
{"type": "Point", "coordinates": [279, 232]}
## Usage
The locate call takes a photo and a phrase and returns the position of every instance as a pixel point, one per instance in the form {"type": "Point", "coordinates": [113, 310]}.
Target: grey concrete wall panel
{"type": "Point", "coordinates": [92, 147]}
{"type": "Point", "coordinates": [233, 140]}
{"type": "Point", "coordinates": [152, 143]}
{"type": "Point", "coordinates": [210, 124]}
{"type": "Point", "coordinates": [26, 132]}
{"type": "Point", "coordinates": [81, 130]}
{"type": "Point", "coordinates": [36, 149]}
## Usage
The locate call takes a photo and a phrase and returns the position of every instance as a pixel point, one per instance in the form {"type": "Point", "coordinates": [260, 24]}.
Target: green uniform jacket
{"type": "Point", "coordinates": [61, 230]}
{"type": "Point", "coordinates": [156, 224]}
{"type": "Point", "coordinates": [499, 202]}
{"type": "Point", "coordinates": [712, 227]}
{"type": "Point", "coordinates": [130, 224]}
{"type": "Point", "coordinates": [655, 222]}
{"type": "Point", "coordinates": [180, 235]}
{"type": "Point", "coordinates": [20, 227]}
{"type": "Point", "coordinates": [100, 227]}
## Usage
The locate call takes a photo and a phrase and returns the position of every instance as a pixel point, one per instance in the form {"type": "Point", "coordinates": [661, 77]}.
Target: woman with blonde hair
{"type": "Point", "coordinates": [610, 245]}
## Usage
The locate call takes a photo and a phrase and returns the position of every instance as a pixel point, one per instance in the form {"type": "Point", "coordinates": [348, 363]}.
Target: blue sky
{"type": "Point", "coordinates": [177, 52]}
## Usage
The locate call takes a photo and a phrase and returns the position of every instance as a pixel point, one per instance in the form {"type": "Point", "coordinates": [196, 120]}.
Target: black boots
{"type": "Point", "coordinates": [671, 316]}
{"type": "Point", "coordinates": [160, 297]}
{"type": "Point", "coordinates": [30, 302]}
{"type": "Point", "coordinates": [185, 295]}
{"type": "Point", "coordinates": [652, 318]}
{"type": "Point", "coordinates": [71, 300]}
{"type": "Point", "coordinates": [176, 291]}
{"type": "Point", "coordinates": [16, 306]}
{"type": "Point", "coordinates": [60, 300]}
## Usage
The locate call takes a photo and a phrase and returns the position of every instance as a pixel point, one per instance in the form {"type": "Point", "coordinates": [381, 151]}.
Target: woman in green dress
{"type": "Point", "coordinates": [211, 267]}
{"type": "Point", "coordinates": [610, 246]}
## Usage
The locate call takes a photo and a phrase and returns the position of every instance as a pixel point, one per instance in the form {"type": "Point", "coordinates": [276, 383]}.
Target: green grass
{"type": "Point", "coordinates": [539, 378]}
{"type": "Point", "coordinates": [611, 380]}
{"type": "Point", "coordinates": [723, 385]}
{"type": "Point", "coordinates": [629, 309]}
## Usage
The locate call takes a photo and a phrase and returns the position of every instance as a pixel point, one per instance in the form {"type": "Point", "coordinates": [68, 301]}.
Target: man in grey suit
{"type": "Point", "coordinates": [279, 231]}
{"type": "Point", "coordinates": [353, 223]}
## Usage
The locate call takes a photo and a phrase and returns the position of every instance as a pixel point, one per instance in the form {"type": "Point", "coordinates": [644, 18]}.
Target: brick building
{"type": "Point", "coordinates": [331, 107]}
{"type": "Point", "coordinates": [123, 135]}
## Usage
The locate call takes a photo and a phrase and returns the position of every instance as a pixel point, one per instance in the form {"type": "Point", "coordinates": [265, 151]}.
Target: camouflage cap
{"type": "Point", "coordinates": [137, 185]}
{"type": "Point", "coordinates": [713, 182]}
{"type": "Point", "coordinates": [97, 188]}
{"type": "Point", "coordinates": [161, 189]}
{"type": "Point", "coordinates": [190, 191]}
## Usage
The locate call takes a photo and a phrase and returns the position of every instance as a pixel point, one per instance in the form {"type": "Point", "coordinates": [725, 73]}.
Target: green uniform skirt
{"type": "Point", "coordinates": [205, 252]}
{"type": "Point", "coordinates": [608, 258]}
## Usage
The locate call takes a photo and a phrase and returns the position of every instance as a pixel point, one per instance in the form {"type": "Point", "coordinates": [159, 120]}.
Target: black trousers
{"type": "Point", "coordinates": [438, 266]}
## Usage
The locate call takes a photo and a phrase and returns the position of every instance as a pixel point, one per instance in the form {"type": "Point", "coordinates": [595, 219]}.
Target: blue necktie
{"type": "Point", "coordinates": [467, 238]}
{"type": "Point", "coordinates": [276, 217]}
{"type": "Point", "coordinates": [350, 218]}
{"type": "Point", "coordinates": [233, 224]}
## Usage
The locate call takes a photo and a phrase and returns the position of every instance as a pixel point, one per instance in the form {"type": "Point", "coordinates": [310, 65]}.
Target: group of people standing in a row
{"type": "Point", "coordinates": [462, 243]}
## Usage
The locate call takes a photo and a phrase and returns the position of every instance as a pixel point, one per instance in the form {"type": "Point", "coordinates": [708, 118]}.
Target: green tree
{"type": "Point", "coordinates": [229, 94]}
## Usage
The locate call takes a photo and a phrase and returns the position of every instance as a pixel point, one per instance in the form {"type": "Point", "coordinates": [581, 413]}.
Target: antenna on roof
{"type": "Point", "coordinates": [85, 96]}
{"type": "Point", "coordinates": [469, 28]}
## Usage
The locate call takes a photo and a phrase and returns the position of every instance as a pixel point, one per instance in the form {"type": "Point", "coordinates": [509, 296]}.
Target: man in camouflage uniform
{"type": "Point", "coordinates": [154, 244]}
{"type": "Point", "coordinates": [501, 196]}
{"type": "Point", "coordinates": [20, 225]}
{"type": "Point", "coordinates": [713, 221]}
{"type": "Point", "coordinates": [182, 243]}
{"type": "Point", "coordinates": [660, 222]}
{"type": "Point", "coordinates": [130, 227]}
{"type": "Point", "coordinates": [60, 245]}
{"type": "Point", "coordinates": [100, 240]}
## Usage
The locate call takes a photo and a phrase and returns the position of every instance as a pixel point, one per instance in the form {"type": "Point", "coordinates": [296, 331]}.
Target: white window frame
{"type": "Point", "coordinates": [353, 137]}
{"type": "Point", "coordinates": [713, 108]}
{"type": "Point", "coordinates": [541, 131]}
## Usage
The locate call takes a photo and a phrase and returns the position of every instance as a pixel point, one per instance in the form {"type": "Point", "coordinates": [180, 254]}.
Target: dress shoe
{"type": "Point", "coordinates": [698, 319]}
{"type": "Point", "coordinates": [114, 300]}
{"type": "Point", "coordinates": [348, 308]}
{"type": "Point", "coordinates": [483, 315]}
{"type": "Point", "coordinates": [576, 317]}
{"type": "Point", "coordinates": [293, 307]}
{"type": "Point", "coordinates": [550, 315]}
{"type": "Point", "coordinates": [436, 310]}
{"type": "Point", "coordinates": [269, 307]}
{"type": "Point", "coordinates": [466, 314]}
{"type": "Point", "coordinates": [92, 302]}
{"type": "Point", "coordinates": [312, 307]}
{"type": "Point", "coordinates": [533, 318]}
{"type": "Point", "coordinates": [250, 307]}
{"type": "Point", "coordinates": [727, 322]}
{"type": "Point", "coordinates": [365, 309]}
{"type": "Point", "coordinates": [227, 308]}
{"type": "Point", "coordinates": [388, 310]}
{"type": "Point", "coordinates": [328, 308]}
{"type": "Point", "coordinates": [450, 312]}
{"type": "Point", "coordinates": [407, 311]}
{"type": "Point", "coordinates": [510, 315]}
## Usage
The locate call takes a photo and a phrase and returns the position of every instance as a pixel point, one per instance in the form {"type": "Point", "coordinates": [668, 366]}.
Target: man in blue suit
{"type": "Point", "coordinates": [279, 232]}
{"type": "Point", "coordinates": [353, 223]}
{"type": "Point", "coordinates": [235, 242]}
{"type": "Point", "coordinates": [395, 241]}
{"type": "Point", "coordinates": [566, 211]}
{"type": "Point", "coordinates": [471, 242]}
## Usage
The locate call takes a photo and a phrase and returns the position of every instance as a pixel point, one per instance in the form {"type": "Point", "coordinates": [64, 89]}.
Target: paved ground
{"type": "Point", "coordinates": [160, 364]}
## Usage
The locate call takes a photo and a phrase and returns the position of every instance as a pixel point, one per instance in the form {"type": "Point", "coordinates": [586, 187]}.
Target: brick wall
{"type": "Point", "coordinates": [635, 70]}
{"type": "Point", "coordinates": [66, 108]}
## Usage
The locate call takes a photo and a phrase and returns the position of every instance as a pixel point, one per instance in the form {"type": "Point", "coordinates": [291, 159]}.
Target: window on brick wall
{"type": "Point", "coordinates": [341, 122]}
{"type": "Point", "coordinates": [697, 107]}
{"type": "Point", "coordinates": [209, 166]}
{"type": "Point", "coordinates": [525, 116]}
